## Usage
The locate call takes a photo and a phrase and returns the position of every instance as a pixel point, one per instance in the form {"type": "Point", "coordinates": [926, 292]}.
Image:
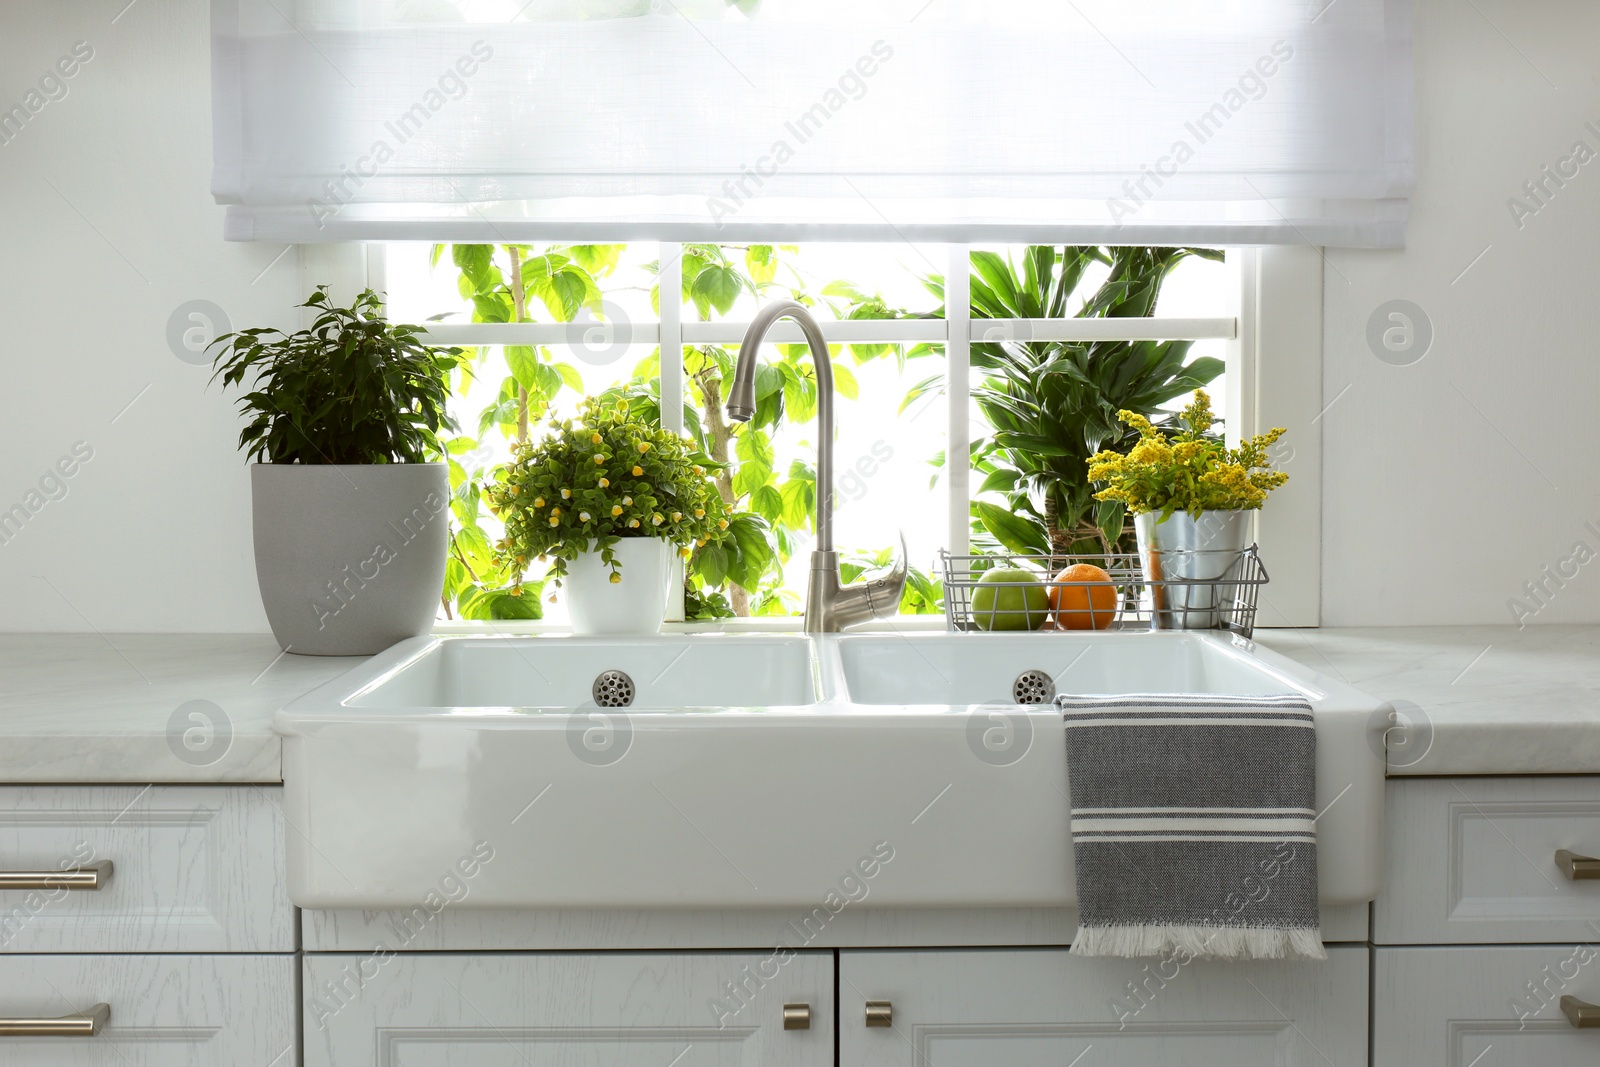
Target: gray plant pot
{"type": "Point", "coordinates": [350, 558]}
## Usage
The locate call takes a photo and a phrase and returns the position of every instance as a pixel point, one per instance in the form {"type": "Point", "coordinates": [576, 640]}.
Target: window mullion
{"type": "Point", "coordinates": [958, 362]}
{"type": "Point", "coordinates": [673, 394]}
{"type": "Point", "coordinates": [672, 385]}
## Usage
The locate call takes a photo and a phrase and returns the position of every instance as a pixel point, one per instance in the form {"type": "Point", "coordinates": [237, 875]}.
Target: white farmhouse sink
{"type": "Point", "coordinates": [751, 771]}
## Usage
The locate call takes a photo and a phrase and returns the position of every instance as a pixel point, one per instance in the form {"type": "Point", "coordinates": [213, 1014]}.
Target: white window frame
{"type": "Point", "coordinates": [1274, 376]}
{"type": "Point", "coordinates": [1275, 379]}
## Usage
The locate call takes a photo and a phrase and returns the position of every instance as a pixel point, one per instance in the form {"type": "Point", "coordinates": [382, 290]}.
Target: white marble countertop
{"type": "Point", "coordinates": [1471, 699]}
{"type": "Point", "coordinates": [198, 708]}
{"type": "Point", "coordinates": [147, 707]}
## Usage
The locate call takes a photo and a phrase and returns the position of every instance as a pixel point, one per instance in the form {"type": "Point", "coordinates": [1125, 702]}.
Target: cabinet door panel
{"type": "Point", "coordinates": [570, 1009]}
{"type": "Point", "coordinates": [1460, 1007]}
{"type": "Point", "coordinates": [1472, 861]}
{"type": "Point", "coordinates": [1047, 1008]}
{"type": "Point", "coordinates": [165, 1010]}
{"type": "Point", "coordinates": [194, 869]}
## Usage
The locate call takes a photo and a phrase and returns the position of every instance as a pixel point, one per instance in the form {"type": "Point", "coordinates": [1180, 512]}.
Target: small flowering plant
{"type": "Point", "coordinates": [597, 479]}
{"type": "Point", "coordinates": [1189, 471]}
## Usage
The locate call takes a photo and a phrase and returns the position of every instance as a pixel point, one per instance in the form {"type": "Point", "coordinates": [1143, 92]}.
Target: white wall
{"type": "Point", "coordinates": [154, 532]}
{"type": "Point", "coordinates": [1433, 513]}
{"type": "Point", "coordinates": [1451, 482]}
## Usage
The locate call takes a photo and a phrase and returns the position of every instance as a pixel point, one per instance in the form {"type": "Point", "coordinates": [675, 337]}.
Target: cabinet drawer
{"type": "Point", "coordinates": [1472, 861]}
{"type": "Point", "coordinates": [1047, 1008]}
{"type": "Point", "coordinates": [193, 869]}
{"type": "Point", "coordinates": [165, 1010]}
{"type": "Point", "coordinates": [587, 1010]}
{"type": "Point", "coordinates": [1449, 1007]}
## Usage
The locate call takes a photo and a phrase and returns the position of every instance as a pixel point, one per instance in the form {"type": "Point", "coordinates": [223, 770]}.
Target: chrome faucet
{"type": "Point", "coordinates": [830, 604]}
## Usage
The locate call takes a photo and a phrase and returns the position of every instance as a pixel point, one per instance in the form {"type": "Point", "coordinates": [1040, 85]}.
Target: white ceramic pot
{"type": "Point", "coordinates": [635, 605]}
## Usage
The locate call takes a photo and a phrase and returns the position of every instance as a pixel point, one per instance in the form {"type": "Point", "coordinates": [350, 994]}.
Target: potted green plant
{"type": "Point", "coordinates": [607, 497]}
{"type": "Point", "coordinates": [349, 513]}
{"type": "Point", "coordinates": [1191, 497]}
{"type": "Point", "coordinates": [1053, 404]}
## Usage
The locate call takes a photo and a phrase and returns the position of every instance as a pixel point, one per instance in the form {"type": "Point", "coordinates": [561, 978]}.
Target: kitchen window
{"type": "Point", "coordinates": [880, 308]}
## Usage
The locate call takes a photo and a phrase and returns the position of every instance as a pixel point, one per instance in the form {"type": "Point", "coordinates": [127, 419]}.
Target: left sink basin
{"type": "Point", "coordinates": [402, 775]}
{"type": "Point", "coordinates": [563, 673]}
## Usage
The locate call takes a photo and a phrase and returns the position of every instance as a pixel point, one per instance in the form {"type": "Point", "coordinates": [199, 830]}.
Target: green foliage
{"type": "Point", "coordinates": [597, 479]}
{"type": "Point", "coordinates": [500, 282]}
{"type": "Point", "coordinates": [475, 585]}
{"type": "Point", "coordinates": [768, 506]}
{"type": "Point", "coordinates": [1190, 471]}
{"type": "Point", "coordinates": [1054, 404]}
{"type": "Point", "coordinates": [353, 388]}
{"type": "Point", "coordinates": [1051, 405]}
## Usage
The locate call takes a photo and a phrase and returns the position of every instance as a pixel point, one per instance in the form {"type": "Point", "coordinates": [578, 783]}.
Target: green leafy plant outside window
{"type": "Point", "coordinates": [1053, 405]}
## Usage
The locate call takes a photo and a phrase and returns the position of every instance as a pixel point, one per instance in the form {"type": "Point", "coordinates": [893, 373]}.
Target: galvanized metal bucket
{"type": "Point", "coordinates": [1187, 563]}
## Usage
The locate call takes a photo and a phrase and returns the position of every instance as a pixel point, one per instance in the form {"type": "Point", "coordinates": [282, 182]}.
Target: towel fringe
{"type": "Point", "coordinates": [1200, 942]}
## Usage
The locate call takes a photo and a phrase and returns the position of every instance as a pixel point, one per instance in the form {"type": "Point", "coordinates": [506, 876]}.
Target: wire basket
{"type": "Point", "coordinates": [1130, 601]}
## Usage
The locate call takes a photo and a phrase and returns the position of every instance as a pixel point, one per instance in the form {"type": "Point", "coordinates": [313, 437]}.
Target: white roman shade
{"type": "Point", "coordinates": [1087, 121]}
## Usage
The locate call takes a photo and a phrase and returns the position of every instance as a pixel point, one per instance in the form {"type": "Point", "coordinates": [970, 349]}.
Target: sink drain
{"type": "Point", "coordinates": [1033, 687]}
{"type": "Point", "coordinates": [612, 689]}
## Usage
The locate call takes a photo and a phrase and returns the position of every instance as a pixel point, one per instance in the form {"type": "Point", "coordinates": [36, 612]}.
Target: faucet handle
{"type": "Point", "coordinates": [876, 598]}
{"type": "Point", "coordinates": [902, 566]}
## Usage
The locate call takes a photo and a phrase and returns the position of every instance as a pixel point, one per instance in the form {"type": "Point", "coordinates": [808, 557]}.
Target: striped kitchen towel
{"type": "Point", "coordinates": [1193, 825]}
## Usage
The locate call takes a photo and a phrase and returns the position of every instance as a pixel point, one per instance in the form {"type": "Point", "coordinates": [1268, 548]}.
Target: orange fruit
{"type": "Point", "coordinates": [1087, 600]}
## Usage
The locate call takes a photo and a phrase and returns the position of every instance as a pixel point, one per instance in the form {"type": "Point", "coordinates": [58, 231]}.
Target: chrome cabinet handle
{"type": "Point", "coordinates": [1582, 1015]}
{"type": "Point", "coordinates": [81, 1024]}
{"type": "Point", "coordinates": [797, 1016]}
{"type": "Point", "coordinates": [94, 876]}
{"type": "Point", "coordinates": [880, 1013]}
{"type": "Point", "coordinates": [1576, 867]}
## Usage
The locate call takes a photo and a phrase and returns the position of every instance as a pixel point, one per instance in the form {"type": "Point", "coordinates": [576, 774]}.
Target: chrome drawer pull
{"type": "Point", "coordinates": [797, 1016]}
{"type": "Point", "coordinates": [1580, 1014]}
{"type": "Point", "coordinates": [1576, 867]}
{"type": "Point", "coordinates": [880, 1013]}
{"type": "Point", "coordinates": [94, 876]}
{"type": "Point", "coordinates": [83, 1024]}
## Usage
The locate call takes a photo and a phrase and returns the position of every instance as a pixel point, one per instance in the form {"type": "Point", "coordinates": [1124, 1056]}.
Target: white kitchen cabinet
{"type": "Point", "coordinates": [1472, 861]}
{"type": "Point", "coordinates": [1047, 1008]}
{"type": "Point", "coordinates": [193, 869]}
{"type": "Point", "coordinates": [1489, 1007]}
{"type": "Point", "coordinates": [165, 1010]}
{"type": "Point", "coordinates": [575, 1010]}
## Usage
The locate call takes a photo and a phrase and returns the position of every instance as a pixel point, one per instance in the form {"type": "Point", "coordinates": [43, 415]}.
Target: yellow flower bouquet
{"type": "Point", "coordinates": [1189, 471]}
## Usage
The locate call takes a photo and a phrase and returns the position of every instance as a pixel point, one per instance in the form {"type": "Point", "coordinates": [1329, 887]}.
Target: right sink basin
{"type": "Point", "coordinates": [950, 668]}
{"type": "Point", "coordinates": [1008, 681]}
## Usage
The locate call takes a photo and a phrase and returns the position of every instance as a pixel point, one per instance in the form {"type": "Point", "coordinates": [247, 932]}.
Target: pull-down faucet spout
{"type": "Point", "coordinates": [830, 605]}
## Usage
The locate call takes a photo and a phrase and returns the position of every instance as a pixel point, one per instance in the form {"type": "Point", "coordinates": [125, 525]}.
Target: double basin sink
{"type": "Point", "coordinates": [752, 770]}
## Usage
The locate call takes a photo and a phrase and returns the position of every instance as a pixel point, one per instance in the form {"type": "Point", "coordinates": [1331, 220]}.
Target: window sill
{"type": "Point", "coordinates": [769, 624]}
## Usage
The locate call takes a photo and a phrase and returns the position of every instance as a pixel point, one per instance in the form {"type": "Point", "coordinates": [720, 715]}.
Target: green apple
{"type": "Point", "coordinates": [1010, 599]}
